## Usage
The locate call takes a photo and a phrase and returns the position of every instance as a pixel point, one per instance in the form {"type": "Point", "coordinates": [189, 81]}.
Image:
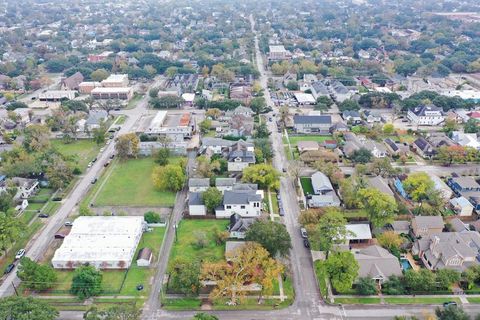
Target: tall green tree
{"type": "Point", "coordinates": [9, 230]}
{"type": "Point", "coordinates": [342, 269]}
{"type": "Point", "coordinates": [418, 185]}
{"type": "Point", "coordinates": [272, 235]}
{"type": "Point", "coordinates": [125, 311]}
{"type": "Point", "coordinates": [184, 276]}
{"type": "Point", "coordinates": [420, 281]}
{"type": "Point", "coordinates": [36, 276]}
{"type": "Point", "coordinates": [21, 308]}
{"type": "Point", "coordinates": [331, 229]}
{"type": "Point", "coordinates": [170, 177]}
{"type": "Point", "coordinates": [86, 282]}
{"type": "Point", "coordinates": [212, 198]}
{"type": "Point", "coordinates": [265, 175]}
{"type": "Point", "coordinates": [380, 207]}
{"type": "Point", "coordinates": [451, 313]}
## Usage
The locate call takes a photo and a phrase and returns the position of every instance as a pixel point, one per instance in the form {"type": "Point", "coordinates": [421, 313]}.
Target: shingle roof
{"type": "Point", "coordinates": [321, 182]}
{"type": "Point", "coordinates": [195, 199]}
{"type": "Point", "coordinates": [429, 222]}
{"type": "Point", "coordinates": [466, 182]}
{"type": "Point", "coordinates": [374, 261]}
{"type": "Point", "coordinates": [225, 182]}
{"type": "Point", "coordinates": [312, 119]}
{"type": "Point", "coordinates": [199, 182]}
{"type": "Point", "coordinates": [240, 197]}
{"type": "Point", "coordinates": [423, 109]}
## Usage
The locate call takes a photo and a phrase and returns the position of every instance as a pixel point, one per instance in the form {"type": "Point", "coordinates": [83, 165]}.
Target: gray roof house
{"type": "Point", "coordinates": [239, 226]}
{"type": "Point", "coordinates": [380, 184]}
{"type": "Point", "coordinates": [449, 250]}
{"type": "Point", "coordinates": [95, 117]}
{"type": "Point", "coordinates": [324, 193]}
{"type": "Point", "coordinates": [196, 207]}
{"type": "Point", "coordinates": [240, 157]}
{"type": "Point", "coordinates": [377, 263]}
{"type": "Point", "coordinates": [423, 226]}
{"type": "Point", "coordinates": [245, 203]}
{"type": "Point", "coordinates": [198, 184]}
{"type": "Point", "coordinates": [320, 183]}
{"type": "Point", "coordinates": [312, 124]}
{"type": "Point", "coordinates": [223, 184]}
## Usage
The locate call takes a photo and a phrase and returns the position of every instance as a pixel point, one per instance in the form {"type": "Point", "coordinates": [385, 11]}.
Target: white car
{"type": "Point", "coordinates": [101, 149]}
{"type": "Point", "coordinates": [20, 254]}
{"type": "Point", "coordinates": [89, 165]}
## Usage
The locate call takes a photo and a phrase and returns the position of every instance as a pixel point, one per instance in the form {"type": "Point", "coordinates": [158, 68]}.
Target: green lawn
{"type": "Point", "coordinates": [306, 185]}
{"type": "Point", "coordinates": [275, 203]}
{"type": "Point", "coordinates": [321, 274]}
{"type": "Point", "coordinates": [81, 152]}
{"type": "Point", "coordinates": [473, 300]}
{"type": "Point", "coordinates": [295, 139]}
{"type": "Point", "coordinates": [366, 300]}
{"type": "Point", "coordinates": [187, 231]}
{"type": "Point", "coordinates": [133, 102]}
{"type": "Point", "coordinates": [420, 300]}
{"type": "Point", "coordinates": [120, 120]}
{"type": "Point", "coordinates": [181, 304]}
{"type": "Point", "coordinates": [358, 213]}
{"type": "Point", "coordinates": [130, 184]}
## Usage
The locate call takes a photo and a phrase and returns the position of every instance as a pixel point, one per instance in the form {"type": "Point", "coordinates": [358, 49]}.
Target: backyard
{"type": "Point", "coordinates": [81, 151]}
{"type": "Point", "coordinates": [129, 183]}
{"type": "Point", "coordinates": [306, 185]}
{"type": "Point", "coordinates": [294, 139]}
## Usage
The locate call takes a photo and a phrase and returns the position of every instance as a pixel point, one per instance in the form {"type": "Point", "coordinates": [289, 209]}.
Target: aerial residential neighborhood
{"type": "Point", "coordinates": [240, 160]}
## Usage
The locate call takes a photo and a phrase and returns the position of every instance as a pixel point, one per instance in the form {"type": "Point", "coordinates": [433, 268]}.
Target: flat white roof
{"type": "Point", "coordinates": [157, 121]}
{"type": "Point", "coordinates": [359, 231]}
{"type": "Point", "coordinates": [277, 48]}
{"type": "Point", "coordinates": [57, 94]}
{"type": "Point", "coordinates": [100, 239]}
{"type": "Point", "coordinates": [304, 97]}
{"type": "Point", "coordinates": [464, 94]}
{"type": "Point", "coordinates": [111, 90]}
{"type": "Point", "coordinates": [188, 97]}
{"type": "Point", "coordinates": [116, 78]}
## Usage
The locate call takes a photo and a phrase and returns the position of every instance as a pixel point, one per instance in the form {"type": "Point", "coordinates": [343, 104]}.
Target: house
{"type": "Point", "coordinates": [304, 98]}
{"type": "Point", "coordinates": [198, 184]}
{"type": "Point", "coordinates": [245, 203]}
{"type": "Point", "coordinates": [312, 124]}
{"type": "Point", "coordinates": [116, 81]}
{"type": "Point", "coordinates": [278, 52]}
{"type": "Point", "coordinates": [372, 117]}
{"type": "Point", "coordinates": [423, 148]}
{"type": "Point", "coordinates": [448, 250]}
{"type": "Point", "coordinates": [57, 95]}
{"type": "Point", "coordinates": [330, 144]}
{"type": "Point", "coordinates": [394, 148]}
{"type": "Point", "coordinates": [72, 82]}
{"type": "Point", "coordinates": [457, 225]}
{"type": "Point", "coordinates": [307, 146]}
{"type": "Point", "coordinates": [378, 150]}
{"type": "Point", "coordinates": [196, 207]}
{"type": "Point", "coordinates": [242, 93]}
{"type": "Point", "coordinates": [441, 187]}
{"type": "Point", "coordinates": [106, 93]}
{"type": "Point", "coordinates": [463, 184]}
{"type": "Point", "coordinates": [339, 92]}
{"type": "Point", "coordinates": [339, 127]}
{"type": "Point", "coordinates": [423, 226]}
{"type": "Point", "coordinates": [466, 139]}
{"type": "Point", "coordinates": [399, 226]}
{"type": "Point", "coordinates": [426, 115]}
{"type": "Point", "coordinates": [324, 193]}
{"type": "Point", "coordinates": [216, 145]}
{"type": "Point", "coordinates": [461, 206]}
{"type": "Point", "coordinates": [376, 263]}
{"type": "Point", "coordinates": [352, 116]}
{"type": "Point", "coordinates": [240, 110]}
{"type": "Point", "coordinates": [240, 157]}
{"type": "Point", "coordinates": [95, 119]}
{"type": "Point", "coordinates": [144, 257]}
{"type": "Point", "coordinates": [25, 187]}
{"type": "Point", "coordinates": [240, 126]}
{"type": "Point", "coordinates": [380, 184]}
{"type": "Point", "coordinates": [319, 90]}
{"type": "Point", "coordinates": [86, 87]}
{"type": "Point", "coordinates": [225, 184]}
{"type": "Point", "coordinates": [439, 139]}
{"type": "Point", "coordinates": [238, 226]}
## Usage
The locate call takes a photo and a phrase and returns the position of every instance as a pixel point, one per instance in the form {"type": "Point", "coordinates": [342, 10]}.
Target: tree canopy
{"type": "Point", "coordinates": [273, 236]}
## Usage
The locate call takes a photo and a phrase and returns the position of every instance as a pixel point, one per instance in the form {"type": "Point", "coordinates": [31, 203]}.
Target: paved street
{"type": "Point", "coordinates": [38, 245]}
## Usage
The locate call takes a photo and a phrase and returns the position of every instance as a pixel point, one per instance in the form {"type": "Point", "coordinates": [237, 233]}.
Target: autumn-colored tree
{"type": "Point", "coordinates": [390, 240]}
{"type": "Point", "coordinates": [418, 185]}
{"type": "Point", "coordinates": [246, 265]}
{"type": "Point", "coordinates": [36, 138]}
{"type": "Point", "coordinates": [127, 145]}
{"type": "Point", "coordinates": [380, 207]}
{"type": "Point", "coordinates": [213, 113]}
{"type": "Point", "coordinates": [451, 154]}
{"type": "Point", "coordinates": [170, 177]}
{"type": "Point", "coordinates": [264, 175]}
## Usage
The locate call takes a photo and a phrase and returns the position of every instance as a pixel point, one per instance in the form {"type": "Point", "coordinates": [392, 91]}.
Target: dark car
{"type": "Point", "coordinates": [43, 215]}
{"type": "Point", "coordinates": [94, 180]}
{"type": "Point", "coordinates": [306, 243]}
{"type": "Point", "coordinates": [94, 160]}
{"type": "Point", "coordinates": [140, 287]}
{"type": "Point", "coordinates": [281, 212]}
{"type": "Point", "coordinates": [449, 303]}
{"type": "Point", "coordinates": [59, 236]}
{"type": "Point", "coordinates": [9, 268]}
{"type": "Point", "coordinates": [106, 164]}
{"type": "Point", "coordinates": [112, 156]}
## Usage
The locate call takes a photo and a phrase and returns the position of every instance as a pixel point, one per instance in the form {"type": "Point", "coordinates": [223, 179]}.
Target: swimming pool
{"type": "Point", "coordinates": [405, 264]}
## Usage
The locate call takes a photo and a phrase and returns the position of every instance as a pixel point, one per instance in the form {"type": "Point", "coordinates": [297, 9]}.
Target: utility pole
{"type": "Point", "coordinates": [15, 289]}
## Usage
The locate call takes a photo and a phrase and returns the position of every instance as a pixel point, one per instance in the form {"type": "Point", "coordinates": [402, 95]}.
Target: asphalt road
{"type": "Point", "coordinates": [39, 244]}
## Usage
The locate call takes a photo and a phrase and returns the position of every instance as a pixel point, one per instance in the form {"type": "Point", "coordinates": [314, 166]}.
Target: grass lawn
{"type": "Point", "coordinates": [27, 216]}
{"type": "Point", "coordinates": [306, 185]}
{"type": "Point", "coordinates": [185, 247]}
{"type": "Point", "coordinates": [321, 274]}
{"type": "Point", "coordinates": [359, 213]}
{"type": "Point", "coordinates": [181, 304]}
{"type": "Point", "coordinates": [275, 202]}
{"type": "Point", "coordinates": [366, 300]}
{"type": "Point", "coordinates": [473, 300]}
{"type": "Point", "coordinates": [81, 151]}
{"type": "Point", "coordinates": [133, 102]}
{"type": "Point", "coordinates": [34, 206]}
{"type": "Point", "coordinates": [130, 184]}
{"type": "Point", "coordinates": [295, 139]}
{"type": "Point", "coordinates": [420, 300]}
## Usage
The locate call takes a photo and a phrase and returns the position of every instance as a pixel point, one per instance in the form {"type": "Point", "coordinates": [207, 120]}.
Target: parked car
{"type": "Point", "coordinates": [101, 149]}
{"type": "Point", "coordinates": [20, 254]}
{"type": "Point", "coordinates": [59, 236]}
{"type": "Point", "coordinates": [68, 223]}
{"type": "Point", "coordinates": [9, 268]}
{"type": "Point", "coordinates": [94, 180]}
{"type": "Point", "coordinates": [306, 243]}
{"type": "Point", "coordinates": [106, 164]}
{"type": "Point", "coordinates": [90, 164]}
{"type": "Point", "coordinates": [94, 160]}
{"type": "Point", "coordinates": [112, 156]}
{"type": "Point", "coordinates": [281, 212]}
{"type": "Point", "coordinates": [43, 215]}
{"type": "Point", "coordinates": [449, 303]}
{"type": "Point", "coordinates": [303, 232]}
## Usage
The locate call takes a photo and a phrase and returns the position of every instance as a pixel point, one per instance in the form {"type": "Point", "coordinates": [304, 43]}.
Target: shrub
{"type": "Point", "coordinates": [152, 217]}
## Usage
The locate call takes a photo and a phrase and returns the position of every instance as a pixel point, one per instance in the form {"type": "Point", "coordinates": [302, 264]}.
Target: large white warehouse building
{"type": "Point", "coordinates": [104, 242]}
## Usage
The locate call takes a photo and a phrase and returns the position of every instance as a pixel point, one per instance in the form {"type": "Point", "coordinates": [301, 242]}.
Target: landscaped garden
{"type": "Point", "coordinates": [129, 183]}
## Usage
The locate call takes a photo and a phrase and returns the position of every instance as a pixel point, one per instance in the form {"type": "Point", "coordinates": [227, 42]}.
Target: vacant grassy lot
{"type": "Point", "coordinates": [306, 185]}
{"type": "Point", "coordinates": [366, 300]}
{"type": "Point", "coordinates": [81, 152]}
{"type": "Point", "coordinates": [130, 184]}
{"type": "Point", "coordinates": [420, 300]}
{"type": "Point", "coordinates": [189, 230]}
{"type": "Point", "coordinates": [295, 139]}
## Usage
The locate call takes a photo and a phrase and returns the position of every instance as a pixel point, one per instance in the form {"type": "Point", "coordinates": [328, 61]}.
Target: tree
{"type": "Point", "coordinates": [86, 282]}
{"type": "Point", "coordinates": [420, 281]}
{"type": "Point", "coordinates": [153, 93]}
{"type": "Point", "coordinates": [261, 131]}
{"type": "Point", "coordinates": [75, 105]}
{"type": "Point", "coordinates": [9, 230]}
{"type": "Point", "coordinates": [213, 113]}
{"type": "Point", "coordinates": [380, 206]}
{"type": "Point", "coordinates": [162, 156]}
{"type": "Point", "coordinates": [36, 138]}
{"type": "Point", "coordinates": [452, 154]}
{"type": "Point", "coordinates": [388, 128]}
{"type": "Point", "coordinates": [99, 75]}
{"type": "Point", "coordinates": [451, 312]}
{"type": "Point", "coordinates": [204, 316]}
{"type": "Point", "coordinates": [471, 126]}
{"type": "Point", "coordinates": [272, 235]}
{"type": "Point", "coordinates": [84, 210]}
{"type": "Point", "coordinates": [59, 173]}
{"type": "Point", "coordinates": [361, 155]}
{"type": "Point", "coordinates": [446, 277]}
{"type": "Point", "coordinates": [6, 201]}
{"type": "Point", "coordinates": [348, 105]}
{"type": "Point", "coordinates": [418, 185]}
{"type": "Point", "coordinates": [170, 177]}
{"type": "Point", "coordinates": [16, 105]}
{"type": "Point", "coordinates": [390, 240]}
{"type": "Point", "coordinates": [205, 126]}
{"type": "Point", "coordinates": [248, 264]}
{"type": "Point", "coordinates": [292, 85]}
{"type": "Point", "coordinates": [99, 134]}
{"type": "Point", "coordinates": [125, 311]}
{"type": "Point", "coordinates": [258, 104]}
{"type": "Point", "coordinates": [205, 167]}
{"type": "Point", "coordinates": [171, 72]}
{"type": "Point", "coordinates": [366, 286]}
{"type": "Point", "coordinates": [151, 217]}
{"type": "Point", "coordinates": [393, 286]}
{"type": "Point", "coordinates": [382, 167]}
{"type": "Point", "coordinates": [127, 145]}
{"type": "Point", "coordinates": [265, 175]}
{"type": "Point", "coordinates": [166, 102]}
{"type": "Point", "coordinates": [25, 308]}
{"type": "Point", "coordinates": [310, 217]}
{"type": "Point", "coordinates": [212, 198]}
{"type": "Point", "coordinates": [36, 276]}
{"type": "Point", "coordinates": [331, 229]}
{"type": "Point", "coordinates": [342, 269]}
{"type": "Point", "coordinates": [108, 105]}
{"type": "Point", "coordinates": [184, 276]}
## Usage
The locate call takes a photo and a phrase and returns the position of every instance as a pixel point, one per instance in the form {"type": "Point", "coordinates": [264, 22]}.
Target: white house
{"type": "Point", "coordinates": [225, 184]}
{"type": "Point", "coordinates": [246, 203]}
{"type": "Point", "coordinates": [144, 257]}
{"type": "Point", "coordinates": [196, 207]}
{"type": "Point", "coordinates": [426, 115]}
{"type": "Point", "coordinates": [198, 184]}
{"type": "Point", "coordinates": [466, 139]}
{"type": "Point", "coordinates": [462, 206]}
